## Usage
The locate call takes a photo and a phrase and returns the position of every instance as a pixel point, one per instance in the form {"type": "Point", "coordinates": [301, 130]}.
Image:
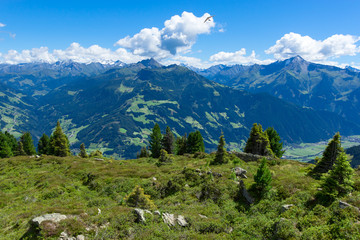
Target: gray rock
{"type": "Point", "coordinates": [80, 237]}
{"type": "Point", "coordinates": [229, 230]}
{"type": "Point", "coordinates": [54, 217]}
{"type": "Point", "coordinates": [140, 213]}
{"type": "Point", "coordinates": [98, 159]}
{"type": "Point", "coordinates": [181, 221]}
{"type": "Point", "coordinates": [169, 219]}
{"type": "Point", "coordinates": [154, 179]}
{"type": "Point", "coordinates": [202, 216]}
{"type": "Point", "coordinates": [157, 213]}
{"type": "Point", "coordinates": [240, 172]}
{"type": "Point", "coordinates": [344, 205]}
{"type": "Point", "coordinates": [286, 207]}
{"type": "Point", "coordinates": [63, 235]}
{"type": "Point", "coordinates": [245, 193]}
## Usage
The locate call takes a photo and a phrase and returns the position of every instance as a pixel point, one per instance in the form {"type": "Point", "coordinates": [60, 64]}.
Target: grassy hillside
{"type": "Point", "coordinates": [30, 187]}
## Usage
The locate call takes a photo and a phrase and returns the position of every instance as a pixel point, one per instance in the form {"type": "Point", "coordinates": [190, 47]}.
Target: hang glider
{"type": "Point", "coordinates": [208, 18]}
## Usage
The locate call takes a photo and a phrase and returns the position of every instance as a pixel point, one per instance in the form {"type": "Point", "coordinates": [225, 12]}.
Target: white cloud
{"type": "Point", "coordinates": [238, 57]}
{"type": "Point", "coordinates": [2, 25]}
{"type": "Point", "coordinates": [178, 35]}
{"type": "Point", "coordinates": [75, 52]}
{"type": "Point", "coordinates": [189, 61]}
{"type": "Point", "coordinates": [293, 44]}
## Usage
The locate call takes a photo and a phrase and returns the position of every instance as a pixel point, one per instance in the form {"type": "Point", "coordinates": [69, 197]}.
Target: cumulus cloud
{"type": "Point", "coordinates": [75, 52]}
{"type": "Point", "coordinates": [189, 61]}
{"type": "Point", "coordinates": [293, 44]}
{"type": "Point", "coordinates": [178, 35]}
{"type": "Point", "coordinates": [2, 25]}
{"type": "Point", "coordinates": [238, 57]}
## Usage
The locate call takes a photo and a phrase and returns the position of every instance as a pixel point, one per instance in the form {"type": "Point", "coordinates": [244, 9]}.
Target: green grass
{"type": "Point", "coordinates": [30, 187]}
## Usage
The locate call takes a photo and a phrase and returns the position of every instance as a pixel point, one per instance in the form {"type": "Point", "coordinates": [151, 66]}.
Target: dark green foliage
{"type": "Point", "coordinates": [28, 144]}
{"type": "Point", "coordinates": [96, 153]}
{"type": "Point", "coordinates": [338, 182]}
{"type": "Point", "coordinates": [137, 198]}
{"type": "Point", "coordinates": [143, 153]}
{"type": "Point", "coordinates": [195, 142]}
{"type": "Point", "coordinates": [275, 144]}
{"type": "Point", "coordinates": [263, 177]}
{"type": "Point", "coordinates": [155, 141]}
{"type": "Point", "coordinates": [355, 153]}
{"type": "Point", "coordinates": [221, 153]}
{"type": "Point", "coordinates": [164, 157]}
{"type": "Point", "coordinates": [181, 145]}
{"type": "Point", "coordinates": [44, 144]}
{"type": "Point", "coordinates": [258, 142]}
{"type": "Point", "coordinates": [83, 153]}
{"type": "Point", "coordinates": [168, 141]}
{"type": "Point", "coordinates": [12, 142]}
{"type": "Point", "coordinates": [59, 143]}
{"type": "Point", "coordinates": [329, 156]}
{"type": "Point", "coordinates": [5, 149]}
{"type": "Point", "coordinates": [20, 151]}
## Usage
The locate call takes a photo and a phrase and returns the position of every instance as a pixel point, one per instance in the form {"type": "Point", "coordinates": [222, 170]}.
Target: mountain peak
{"type": "Point", "coordinates": [150, 63]}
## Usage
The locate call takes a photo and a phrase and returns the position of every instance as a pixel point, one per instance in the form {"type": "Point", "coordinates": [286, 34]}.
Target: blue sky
{"type": "Point", "coordinates": [243, 32]}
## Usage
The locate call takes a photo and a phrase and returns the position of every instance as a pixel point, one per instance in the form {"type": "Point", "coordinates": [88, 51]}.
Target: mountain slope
{"type": "Point", "coordinates": [117, 110]}
{"type": "Point", "coordinates": [295, 80]}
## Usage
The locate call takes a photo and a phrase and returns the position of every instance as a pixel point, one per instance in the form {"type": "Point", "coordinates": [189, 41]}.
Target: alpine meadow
{"type": "Point", "coordinates": [179, 120]}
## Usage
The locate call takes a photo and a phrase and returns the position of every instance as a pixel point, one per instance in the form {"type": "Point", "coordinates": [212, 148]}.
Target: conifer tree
{"type": "Point", "coordinates": [28, 144]}
{"type": "Point", "coordinates": [12, 142]}
{"type": "Point", "coordinates": [195, 142]}
{"type": "Point", "coordinates": [137, 198]}
{"type": "Point", "coordinates": [83, 153]}
{"type": "Point", "coordinates": [155, 141]}
{"type": "Point", "coordinates": [262, 177]}
{"type": "Point", "coordinates": [220, 156]}
{"type": "Point", "coordinates": [168, 141]}
{"type": "Point", "coordinates": [275, 144]}
{"type": "Point", "coordinates": [181, 145]}
{"type": "Point", "coordinates": [5, 149]}
{"type": "Point", "coordinates": [44, 144]}
{"type": "Point", "coordinates": [20, 150]}
{"type": "Point", "coordinates": [329, 156]}
{"type": "Point", "coordinates": [338, 182]}
{"type": "Point", "coordinates": [258, 142]}
{"type": "Point", "coordinates": [143, 153]}
{"type": "Point", "coordinates": [59, 143]}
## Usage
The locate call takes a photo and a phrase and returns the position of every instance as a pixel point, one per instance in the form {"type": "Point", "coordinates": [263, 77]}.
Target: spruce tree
{"type": "Point", "coordinates": [5, 149]}
{"type": "Point", "coordinates": [181, 145]}
{"type": "Point", "coordinates": [28, 144]}
{"type": "Point", "coordinates": [262, 177]}
{"type": "Point", "coordinates": [12, 142]}
{"type": "Point", "coordinates": [83, 153]}
{"type": "Point", "coordinates": [275, 144]}
{"type": "Point", "coordinates": [20, 149]}
{"type": "Point", "coordinates": [338, 182]}
{"type": "Point", "coordinates": [220, 156]}
{"type": "Point", "coordinates": [59, 143]}
{"type": "Point", "coordinates": [195, 142]}
{"type": "Point", "coordinates": [329, 156]}
{"type": "Point", "coordinates": [44, 144]}
{"type": "Point", "coordinates": [144, 153]}
{"type": "Point", "coordinates": [155, 141]}
{"type": "Point", "coordinates": [168, 141]}
{"type": "Point", "coordinates": [258, 142]}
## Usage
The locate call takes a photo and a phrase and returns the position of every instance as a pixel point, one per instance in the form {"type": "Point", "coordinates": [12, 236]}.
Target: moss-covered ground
{"type": "Point", "coordinates": [30, 187]}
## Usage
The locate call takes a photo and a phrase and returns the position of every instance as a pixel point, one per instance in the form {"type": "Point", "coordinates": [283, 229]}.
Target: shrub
{"type": "Point", "coordinates": [137, 198]}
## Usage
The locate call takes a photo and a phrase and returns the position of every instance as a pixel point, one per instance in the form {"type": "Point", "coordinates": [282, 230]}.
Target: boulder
{"type": "Point", "coordinates": [53, 217]}
{"type": "Point", "coordinates": [344, 205]}
{"type": "Point", "coordinates": [286, 207]}
{"type": "Point", "coordinates": [169, 219]}
{"type": "Point", "coordinates": [245, 193]}
{"type": "Point", "coordinates": [240, 172]}
{"type": "Point", "coordinates": [202, 216]}
{"type": "Point", "coordinates": [140, 214]}
{"type": "Point", "coordinates": [181, 221]}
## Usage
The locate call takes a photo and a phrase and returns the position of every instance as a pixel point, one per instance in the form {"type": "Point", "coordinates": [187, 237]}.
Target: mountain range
{"type": "Point", "coordinates": [306, 84]}
{"type": "Point", "coordinates": [113, 107]}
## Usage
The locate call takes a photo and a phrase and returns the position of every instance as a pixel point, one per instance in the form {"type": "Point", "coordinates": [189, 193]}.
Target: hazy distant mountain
{"type": "Point", "coordinates": [115, 110]}
{"type": "Point", "coordinates": [295, 80]}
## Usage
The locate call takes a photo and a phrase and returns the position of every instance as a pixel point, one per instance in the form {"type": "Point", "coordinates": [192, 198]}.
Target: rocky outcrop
{"type": "Point", "coordinates": [286, 207]}
{"type": "Point", "coordinates": [245, 193]}
{"type": "Point", "coordinates": [168, 218]}
{"type": "Point", "coordinates": [344, 205]}
{"type": "Point", "coordinates": [248, 157]}
{"type": "Point", "coordinates": [53, 217]}
{"type": "Point", "coordinates": [240, 172]}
